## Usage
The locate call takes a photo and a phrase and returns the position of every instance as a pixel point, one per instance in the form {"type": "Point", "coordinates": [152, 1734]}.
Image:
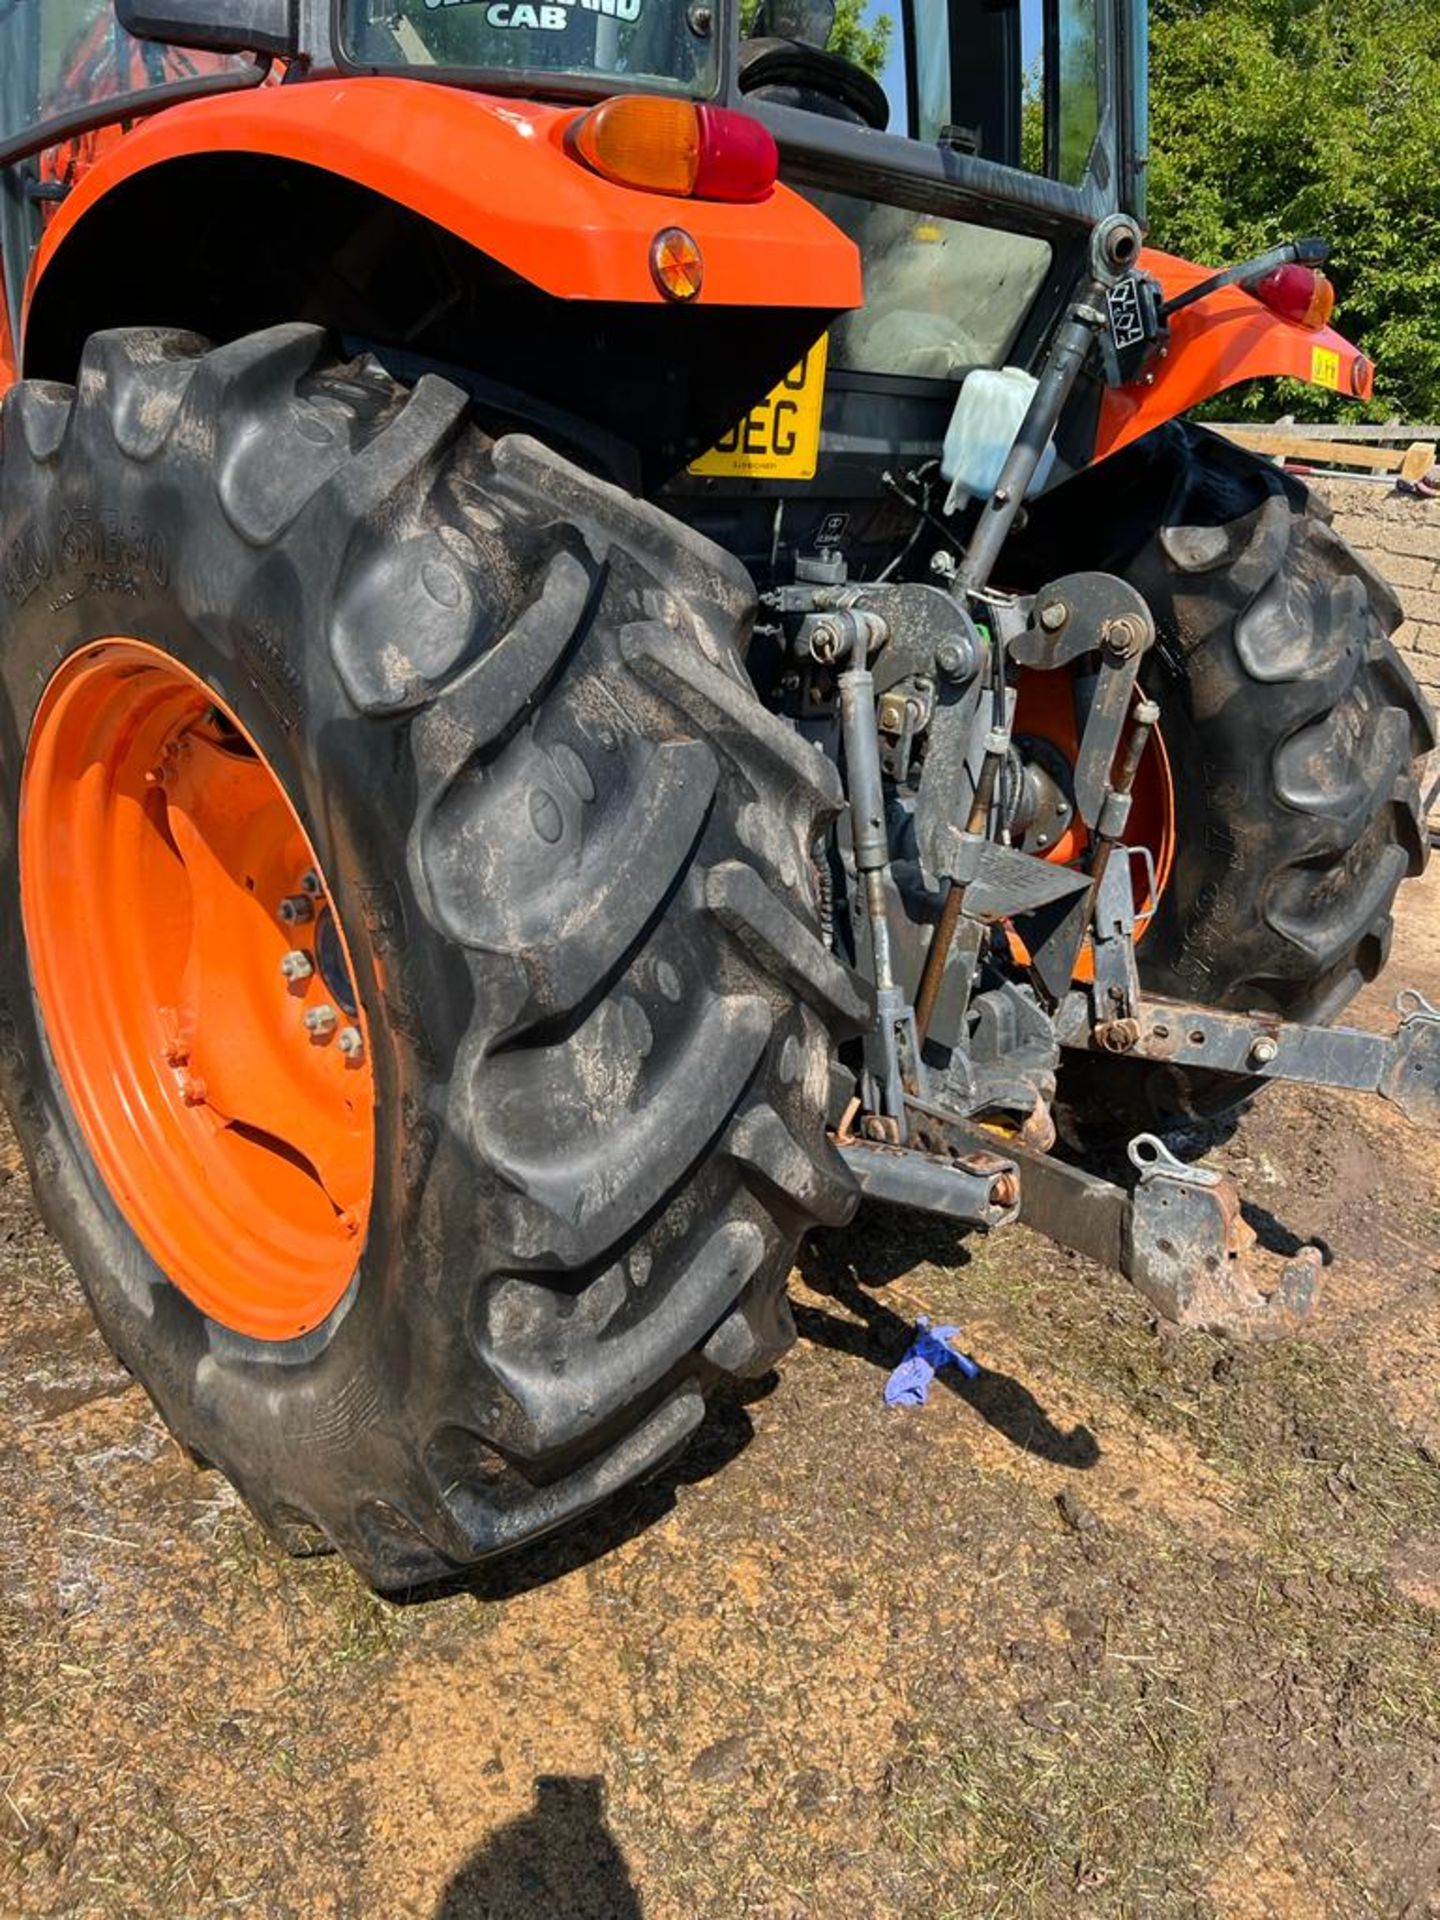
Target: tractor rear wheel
{"type": "Point", "coordinates": [412, 1007]}
{"type": "Point", "coordinates": [1295, 735]}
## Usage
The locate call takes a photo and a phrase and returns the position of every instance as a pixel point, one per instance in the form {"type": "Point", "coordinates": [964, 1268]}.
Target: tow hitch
{"type": "Point", "coordinates": [1178, 1234]}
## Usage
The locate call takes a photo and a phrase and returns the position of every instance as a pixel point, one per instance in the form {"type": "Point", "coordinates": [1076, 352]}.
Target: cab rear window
{"type": "Point", "coordinates": [658, 44]}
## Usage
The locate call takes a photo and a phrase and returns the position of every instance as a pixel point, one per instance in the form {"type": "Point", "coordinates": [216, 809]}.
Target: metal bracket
{"type": "Point", "coordinates": [1188, 1248]}
{"type": "Point", "coordinates": [1402, 1067]}
{"type": "Point", "coordinates": [1117, 978]}
{"type": "Point", "coordinates": [1411, 1078]}
{"type": "Point", "coordinates": [952, 766]}
{"type": "Point", "coordinates": [1084, 613]}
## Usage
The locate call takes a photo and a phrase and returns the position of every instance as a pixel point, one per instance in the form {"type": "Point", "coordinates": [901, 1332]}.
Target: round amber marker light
{"type": "Point", "coordinates": [676, 264]}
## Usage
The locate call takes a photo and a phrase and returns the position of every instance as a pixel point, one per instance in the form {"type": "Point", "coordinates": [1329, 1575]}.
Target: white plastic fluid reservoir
{"type": "Point", "coordinates": [989, 408]}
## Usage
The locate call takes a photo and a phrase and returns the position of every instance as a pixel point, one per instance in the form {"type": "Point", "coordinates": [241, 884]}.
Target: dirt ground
{"type": "Point", "coordinates": [1135, 1625]}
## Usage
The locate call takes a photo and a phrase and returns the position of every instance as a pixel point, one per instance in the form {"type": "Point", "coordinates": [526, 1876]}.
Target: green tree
{"type": "Point", "coordinates": [853, 36]}
{"type": "Point", "coordinates": [866, 42]}
{"type": "Point", "coordinates": [1275, 118]}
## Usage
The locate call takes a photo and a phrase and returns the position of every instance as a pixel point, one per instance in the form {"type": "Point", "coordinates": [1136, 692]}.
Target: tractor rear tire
{"type": "Point", "coordinates": [1296, 737]}
{"type": "Point", "coordinates": [572, 857]}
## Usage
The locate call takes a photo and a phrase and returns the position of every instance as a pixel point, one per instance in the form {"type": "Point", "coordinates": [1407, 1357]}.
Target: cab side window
{"type": "Point", "coordinates": [1015, 81]}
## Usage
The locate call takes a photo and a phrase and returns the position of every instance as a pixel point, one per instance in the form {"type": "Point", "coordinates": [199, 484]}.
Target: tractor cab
{"type": "Point", "coordinates": [967, 148]}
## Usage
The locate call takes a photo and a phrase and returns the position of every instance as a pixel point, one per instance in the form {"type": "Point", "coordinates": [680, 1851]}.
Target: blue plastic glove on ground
{"type": "Point", "coordinates": [909, 1384]}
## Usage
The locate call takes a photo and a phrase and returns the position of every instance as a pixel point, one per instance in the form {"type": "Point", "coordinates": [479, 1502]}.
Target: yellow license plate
{"type": "Point", "coordinates": [780, 438]}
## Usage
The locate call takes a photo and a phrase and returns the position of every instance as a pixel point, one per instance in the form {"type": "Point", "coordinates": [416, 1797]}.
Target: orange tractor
{"type": "Point", "coordinates": [609, 639]}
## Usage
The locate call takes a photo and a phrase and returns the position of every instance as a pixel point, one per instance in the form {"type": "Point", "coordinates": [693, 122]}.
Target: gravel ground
{"type": "Point", "coordinates": [1135, 1625]}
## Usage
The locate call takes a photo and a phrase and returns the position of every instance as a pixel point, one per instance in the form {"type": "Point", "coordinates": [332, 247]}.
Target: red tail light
{"type": "Point", "coordinates": [673, 146]}
{"type": "Point", "coordinates": [1300, 294]}
{"type": "Point", "coordinates": [738, 157]}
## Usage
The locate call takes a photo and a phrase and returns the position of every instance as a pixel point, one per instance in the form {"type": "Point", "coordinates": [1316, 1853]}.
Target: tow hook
{"type": "Point", "coordinates": [1189, 1248]}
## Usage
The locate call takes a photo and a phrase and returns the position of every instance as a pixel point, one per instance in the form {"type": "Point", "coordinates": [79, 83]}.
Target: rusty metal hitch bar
{"type": "Point", "coordinates": [1402, 1067]}
{"type": "Point", "coordinates": [978, 1187]}
{"type": "Point", "coordinates": [1179, 1237]}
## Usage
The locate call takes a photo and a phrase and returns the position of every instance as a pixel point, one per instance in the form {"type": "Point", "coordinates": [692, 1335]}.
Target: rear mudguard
{"type": "Point", "coordinates": [454, 230]}
{"type": "Point", "coordinates": [495, 173]}
{"type": "Point", "coordinates": [1222, 340]}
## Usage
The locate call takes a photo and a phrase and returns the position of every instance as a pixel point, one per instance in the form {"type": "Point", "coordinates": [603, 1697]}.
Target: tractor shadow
{"type": "Point", "coordinates": [722, 1436]}
{"type": "Point", "coordinates": [1275, 1237]}
{"type": "Point", "coordinates": [874, 1332]}
{"type": "Point", "coordinates": [559, 1857]}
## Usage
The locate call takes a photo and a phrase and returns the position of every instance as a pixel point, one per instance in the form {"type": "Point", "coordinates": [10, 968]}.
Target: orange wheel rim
{"type": "Point", "coordinates": [196, 990]}
{"type": "Point", "coordinates": [1045, 709]}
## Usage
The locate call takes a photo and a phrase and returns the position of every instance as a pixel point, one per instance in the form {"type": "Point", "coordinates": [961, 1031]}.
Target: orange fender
{"type": "Point", "coordinates": [1224, 339]}
{"type": "Point", "coordinates": [495, 172]}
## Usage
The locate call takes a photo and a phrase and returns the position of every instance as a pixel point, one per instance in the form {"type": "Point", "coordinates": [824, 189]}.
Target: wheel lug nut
{"type": "Point", "coordinates": [192, 1090]}
{"type": "Point", "coordinates": [321, 1020]}
{"type": "Point", "coordinates": [296, 908]}
{"type": "Point", "coordinates": [351, 1042]}
{"type": "Point", "coordinates": [297, 964]}
{"type": "Point", "coordinates": [310, 882]}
